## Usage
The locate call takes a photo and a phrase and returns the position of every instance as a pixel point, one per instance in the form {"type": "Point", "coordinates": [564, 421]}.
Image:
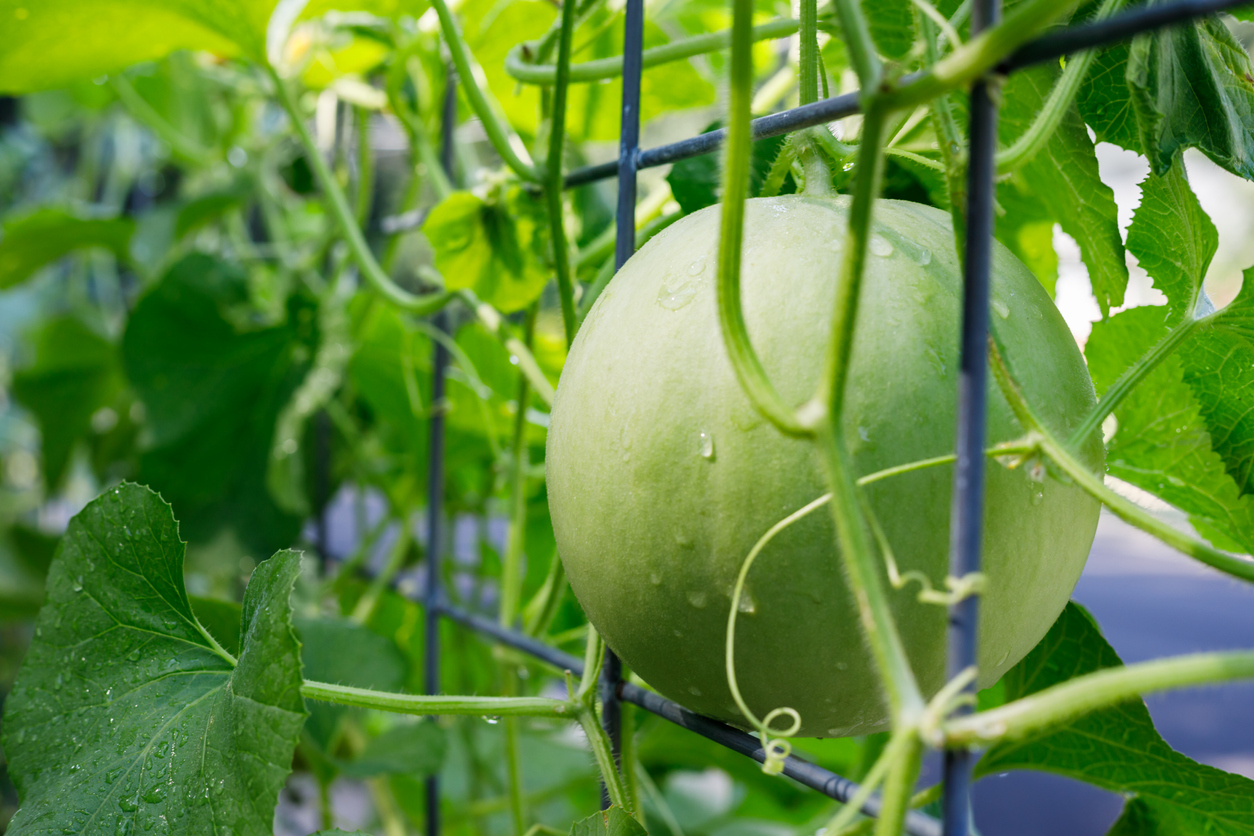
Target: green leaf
{"type": "Point", "coordinates": [1219, 367]}
{"type": "Point", "coordinates": [51, 43]}
{"type": "Point", "coordinates": [213, 378]}
{"type": "Point", "coordinates": [126, 715]}
{"type": "Point", "coordinates": [1161, 443]}
{"type": "Point", "coordinates": [1192, 87]}
{"type": "Point", "coordinates": [612, 822]}
{"type": "Point", "coordinates": [41, 237]}
{"type": "Point", "coordinates": [1116, 748]}
{"type": "Point", "coordinates": [1142, 817]}
{"type": "Point", "coordinates": [697, 182]}
{"type": "Point", "coordinates": [75, 373]}
{"type": "Point", "coordinates": [892, 27]}
{"type": "Point", "coordinates": [1105, 101]}
{"type": "Point", "coordinates": [496, 247]}
{"type": "Point", "coordinates": [1187, 86]}
{"type": "Point", "coordinates": [1064, 177]}
{"type": "Point", "coordinates": [1173, 239]}
{"type": "Point", "coordinates": [414, 749]}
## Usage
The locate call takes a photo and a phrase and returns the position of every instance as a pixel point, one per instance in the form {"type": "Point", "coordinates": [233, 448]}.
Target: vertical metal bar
{"type": "Point", "coordinates": [967, 514]}
{"type": "Point", "coordinates": [624, 247]}
{"type": "Point", "coordinates": [435, 476]}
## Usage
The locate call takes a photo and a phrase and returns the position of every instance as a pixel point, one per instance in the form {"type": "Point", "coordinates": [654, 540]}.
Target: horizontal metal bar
{"type": "Point", "coordinates": [1117, 28]}
{"type": "Point", "coordinates": [519, 641]}
{"type": "Point", "coordinates": [817, 113]}
{"type": "Point", "coordinates": [1051, 46]}
{"type": "Point", "coordinates": [802, 771]}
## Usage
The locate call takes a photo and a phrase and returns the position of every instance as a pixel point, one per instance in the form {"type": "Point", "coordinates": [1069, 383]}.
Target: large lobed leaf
{"type": "Point", "coordinates": [1118, 748]}
{"type": "Point", "coordinates": [214, 380]}
{"type": "Point", "coordinates": [1188, 86]}
{"type": "Point", "coordinates": [1183, 433]}
{"type": "Point", "coordinates": [126, 716]}
{"type": "Point", "coordinates": [1063, 181]}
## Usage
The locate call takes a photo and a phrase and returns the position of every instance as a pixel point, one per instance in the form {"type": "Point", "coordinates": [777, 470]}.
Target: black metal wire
{"type": "Point", "coordinates": [435, 475]}
{"type": "Point", "coordinates": [624, 248]}
{"type": "Point", "coordinates": [966, 525]}
{"type": "Point", "coordinates": [1054, 45]}
{"type": "Point", "coordinates": [1117, 28]}
{"type": "Point", "coordinates": [802, 771]}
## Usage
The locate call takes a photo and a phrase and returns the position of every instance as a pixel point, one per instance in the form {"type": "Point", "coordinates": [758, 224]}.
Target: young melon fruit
{"type": "Point", "coordinates": [662, 476]}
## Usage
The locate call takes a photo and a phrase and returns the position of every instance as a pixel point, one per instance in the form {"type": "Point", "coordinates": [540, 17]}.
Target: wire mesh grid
{"type": "Point", "coordinates": [968, 489]}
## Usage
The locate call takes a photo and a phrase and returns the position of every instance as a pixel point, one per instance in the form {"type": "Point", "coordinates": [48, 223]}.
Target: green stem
{"type": "Point", "coordinates": [513, 763]}
{"type": "Point", "coordinates": [748, 366]}
{"type": "Point", "coordinates": [606, 68]}
{"type": "Point", "coordinates": [949, 140]}
{"type": "Point", "coordinates": [862, 51]}
{"type": "Point", "coordinates": [186, 149]}
{"type": "Point", "coordinates": [511, 565]}
{"type": "Point", "coordinates": [499, 133]}
{"type": "Point", "coordinates": [539, 612]}
{"type": "Point", "coordinates": [1096, 487]}
{"type": "Point", "coordinates": [1102, 689]}
{"type": "Point", "coordinates": [365, 169]}
{"type": "Point", "coordinates": [1056, 106]}
{"type": "Point", "coordinates": [492, 319]}
{"type": "Point", "coordinates": [369, 602]}
{"type": "Point", "coordinates": [1129, 379]}
{"type": "Point", "coordinates": [982, 53]}
{"type": "Point", "coordinates": [900, 785]}
{"type": "Point", "coordinates": [808, 83]}
{"type": "Point", "coordinates": [420, 705]}
{"type": "Point", "coordinates": [604, 755]}
{"type": "Point", "coordinates": [555, 182]}
{"type": "Point", "coordinates": [863, 574]}
{"type": "Point", "coordinates": [420, 148]}
{"type": "Point", "coordinates": [866, 183]}
{"type": "Point", "coordinates": [423, 304]}
{"type": "Point", "coordinates": [511, 581]}
{"type": "Point", "coordinates": [545, 46]}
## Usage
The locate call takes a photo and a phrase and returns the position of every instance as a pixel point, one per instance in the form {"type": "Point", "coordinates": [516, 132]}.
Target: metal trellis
{"type": "Point", "coordinates": [967, 509]}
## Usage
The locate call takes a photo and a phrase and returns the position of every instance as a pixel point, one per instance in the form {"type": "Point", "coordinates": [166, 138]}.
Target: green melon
{"type": "Point", "coordinates": [662, 476]}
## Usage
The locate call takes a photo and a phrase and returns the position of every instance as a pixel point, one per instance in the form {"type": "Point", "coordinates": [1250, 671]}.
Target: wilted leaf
{"type": "Point", "coordinates": [126, 715]}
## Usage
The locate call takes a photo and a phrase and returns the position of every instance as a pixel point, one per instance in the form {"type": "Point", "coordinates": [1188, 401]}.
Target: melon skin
{"type": "Point", "coordinates": [661, 475]}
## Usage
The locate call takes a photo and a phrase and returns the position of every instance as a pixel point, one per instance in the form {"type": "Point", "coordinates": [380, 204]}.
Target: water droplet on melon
{"type": "Point", "coordinates": [1002, 310]}
{"type": "Point", "coordinates": [881, 246]}
{"type": "Point", "coordinates": [705, 445]}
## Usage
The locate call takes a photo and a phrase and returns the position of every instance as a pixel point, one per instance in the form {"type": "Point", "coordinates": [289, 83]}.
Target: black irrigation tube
{"type": "Point", "coordinates": [967, 509]}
